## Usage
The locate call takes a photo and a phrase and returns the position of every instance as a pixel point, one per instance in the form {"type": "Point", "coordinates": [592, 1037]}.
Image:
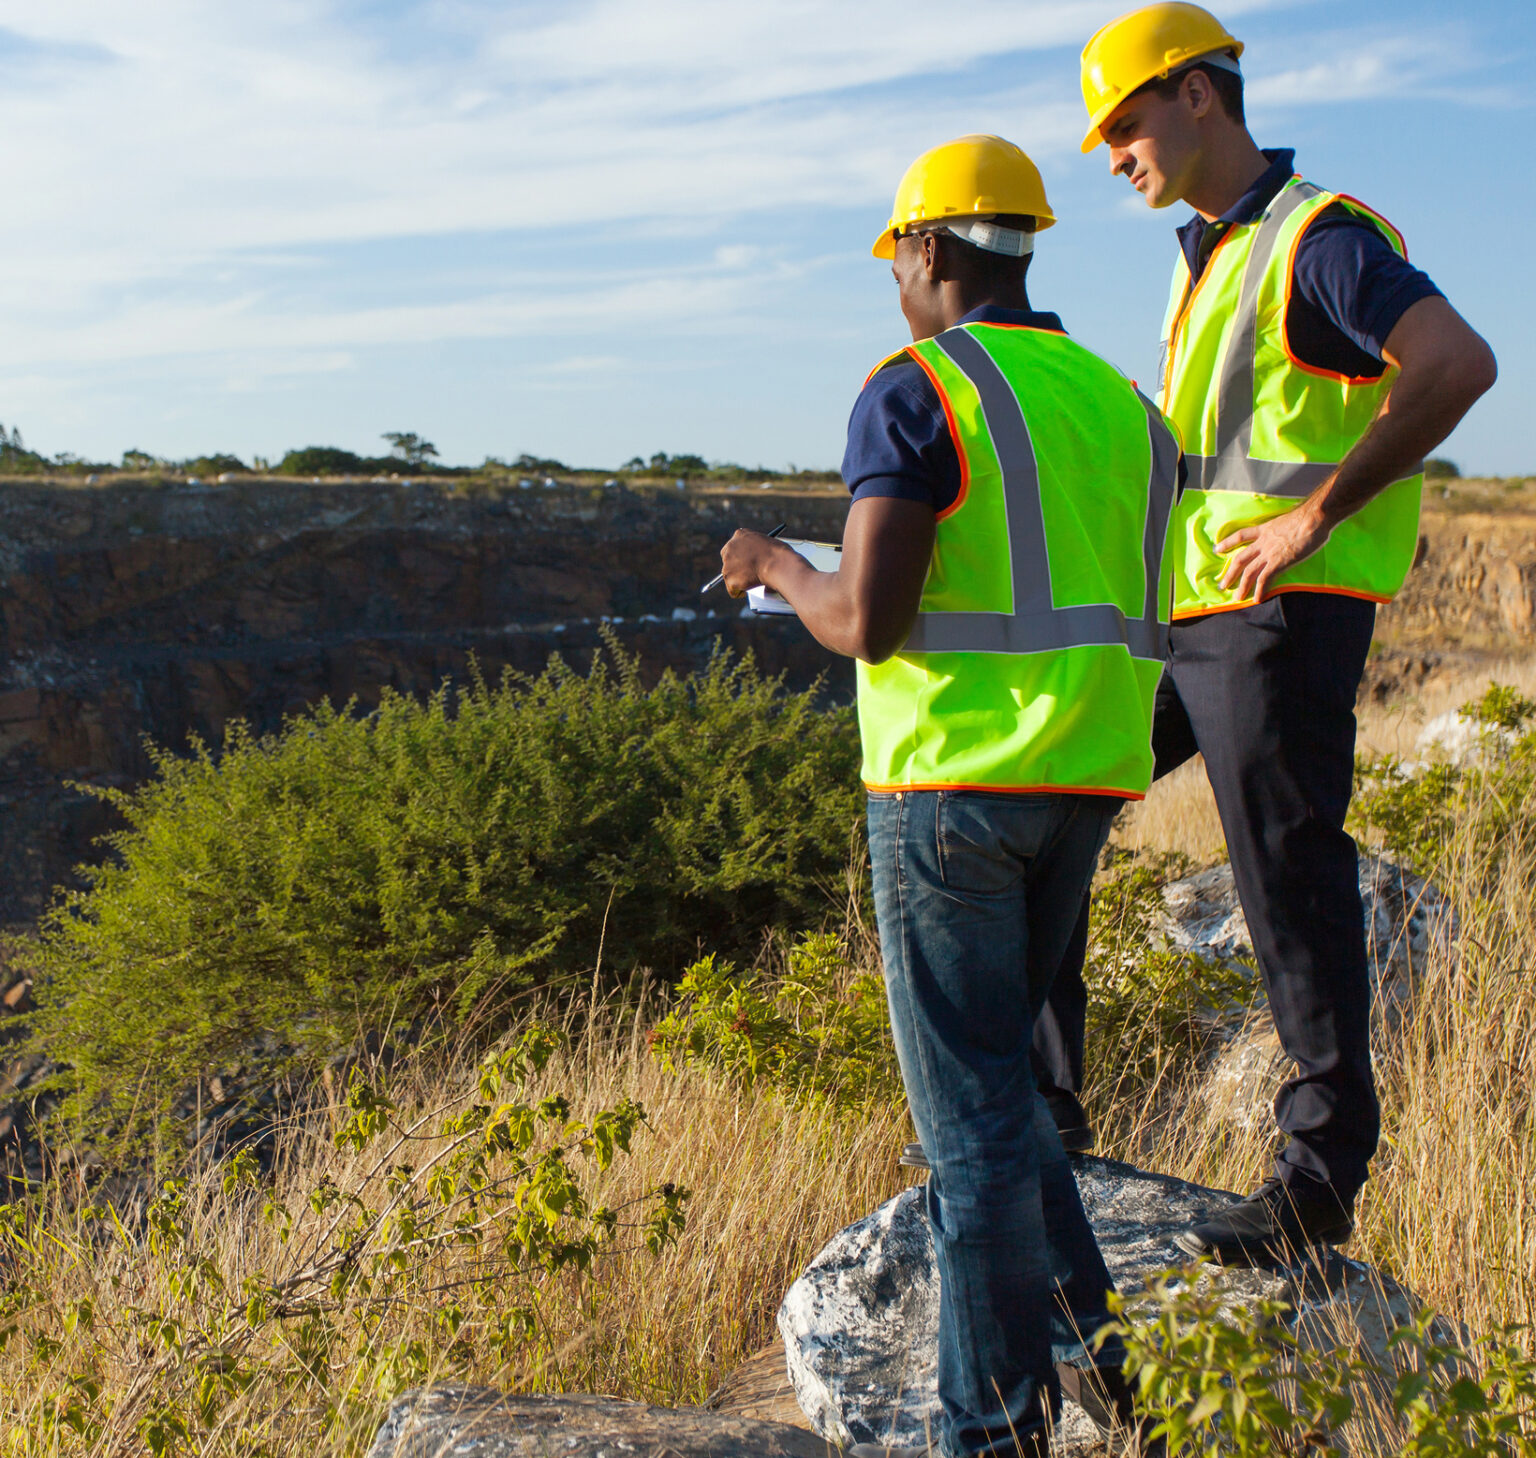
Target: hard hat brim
{"type": "Point", "coordinates": [885, 244]}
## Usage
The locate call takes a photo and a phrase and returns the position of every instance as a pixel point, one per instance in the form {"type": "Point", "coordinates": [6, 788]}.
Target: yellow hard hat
{"type": "Point", "coordinates": [974, 176]}
{"type": "Point", "coordinates": [1147, 43]}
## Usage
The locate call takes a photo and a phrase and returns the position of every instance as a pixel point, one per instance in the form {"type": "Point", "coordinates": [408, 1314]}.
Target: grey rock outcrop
{"type": "Point", "coordinates": [479, 1422]}
{"type": "Point", "coordinates": [1408, 923]}
{"type": "Point", "coordinates": [860, 1327]}
{"type": "Point", "coordinates": [1407, 920]}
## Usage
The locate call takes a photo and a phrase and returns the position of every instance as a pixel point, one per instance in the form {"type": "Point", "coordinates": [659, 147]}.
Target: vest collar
{"type": "Point", "coordinates": [1028, 318]}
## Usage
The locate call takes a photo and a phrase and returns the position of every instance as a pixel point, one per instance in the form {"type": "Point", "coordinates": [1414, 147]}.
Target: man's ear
{"type": "Point", "coordinates": [1199, 95]}
{"type": "Point", "coordinates": [933, 258]}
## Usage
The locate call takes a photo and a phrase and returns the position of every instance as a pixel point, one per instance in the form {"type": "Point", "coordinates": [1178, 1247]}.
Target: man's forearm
{"type": "Point", "coordinates": [821, 599]}
{"type": "Point", "coordinates": [1422, 409]}
{"type": "Point", "coordinates": [863, 610]}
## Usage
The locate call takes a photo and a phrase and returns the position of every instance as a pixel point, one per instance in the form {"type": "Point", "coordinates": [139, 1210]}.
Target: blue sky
{"type": "Point", "coordinates": [598, 228]}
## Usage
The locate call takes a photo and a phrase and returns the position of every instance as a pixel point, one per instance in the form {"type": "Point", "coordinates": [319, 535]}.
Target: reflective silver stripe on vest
{"type": "Point", "coordinates": [1035, 625]}
{"type": "Point", "coordinates": [1263, 478]}
{"type": "Point", "coordinates": [1232, 468]}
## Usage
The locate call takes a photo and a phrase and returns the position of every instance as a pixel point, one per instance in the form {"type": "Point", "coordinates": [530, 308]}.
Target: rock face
{"type": "Point", "coordinates": [478, 1422]}
{"type": "Point", "coordinates": [165, 611]}
{"type": "Point", "coordinates": [860, 1327]}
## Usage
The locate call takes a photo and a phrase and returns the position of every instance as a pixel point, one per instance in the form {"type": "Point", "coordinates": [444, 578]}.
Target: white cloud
{"type": "Point", "coordinates": [1357, 65]}
{"type": "Point", "coordinates": [188, 178]}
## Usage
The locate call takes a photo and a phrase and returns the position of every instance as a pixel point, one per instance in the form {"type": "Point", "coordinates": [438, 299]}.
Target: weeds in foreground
{"type": "Point", "coordinates": [497, 1223]}
{"type": "Point", "coordinates": [1240, 1382]}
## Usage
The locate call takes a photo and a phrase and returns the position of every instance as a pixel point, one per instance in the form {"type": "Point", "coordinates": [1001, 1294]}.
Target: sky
{"type": "Point", "coordinates": [595, 229]}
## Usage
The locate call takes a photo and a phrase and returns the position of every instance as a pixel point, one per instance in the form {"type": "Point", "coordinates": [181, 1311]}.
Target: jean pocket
{"type": "Point", "coordinates": [973, 848]}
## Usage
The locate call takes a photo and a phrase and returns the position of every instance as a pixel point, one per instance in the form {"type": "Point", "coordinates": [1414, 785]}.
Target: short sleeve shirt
{"type": "Point", "coordinates": [1350, 288]}
{"type": "Point", "coordinates": [899, 443]}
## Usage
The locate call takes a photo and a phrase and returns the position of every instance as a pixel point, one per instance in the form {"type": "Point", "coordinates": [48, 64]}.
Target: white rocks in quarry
{"type": "Point", "coordinates": [860, 1327]}
{"type": "Point", "coordinates": [1462, 741]}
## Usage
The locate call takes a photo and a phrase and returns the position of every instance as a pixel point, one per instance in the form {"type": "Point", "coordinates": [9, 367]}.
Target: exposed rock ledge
{"type": "Point", "coordinates": [860, 1327]}
{"type": "Point", "coordinates": [478, 1422]}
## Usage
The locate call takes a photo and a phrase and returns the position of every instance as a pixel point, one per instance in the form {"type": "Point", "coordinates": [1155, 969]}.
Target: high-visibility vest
{"type": "Point", "coordinates": [1260, 429]}
{"type": "Point", "coordinates": [1042, 629]}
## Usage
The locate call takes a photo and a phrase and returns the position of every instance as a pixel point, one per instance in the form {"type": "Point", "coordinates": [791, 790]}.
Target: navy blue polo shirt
{"type": "Point", "coordinates": [898, 439]}
{"type": "Point", "coordinates": [1350, 286]}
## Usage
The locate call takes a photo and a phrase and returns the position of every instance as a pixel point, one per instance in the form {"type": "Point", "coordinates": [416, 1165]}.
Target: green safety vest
{"type": "Point", "coordinates": [1260, 429]}
{"type": "Point", "coordinates": [1043, 624]}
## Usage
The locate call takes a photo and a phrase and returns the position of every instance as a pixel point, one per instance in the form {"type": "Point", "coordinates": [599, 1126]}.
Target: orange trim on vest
{"type": "Point", "coordinates": [1182, 317]}
{"type": "Point", "coordinates": [1386, 223]}
{"type": "Point", "coordinates": [954, 435]}
{"type": "Point", "coordinates": [893, 355]}
{"type": "Point", "coordinates": [1232, 607]}
{"type": "Point", "coordinates": [1285, 302]}
{"type": "Point", "coordinates": [999, 324]}
{"type": "Point", "coordinates": [1010, 789]}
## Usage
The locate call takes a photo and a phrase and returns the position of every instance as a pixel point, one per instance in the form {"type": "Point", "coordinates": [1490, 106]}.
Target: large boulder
{"type": "Point", "coordinates": [479, 1422]}
{"type": "Point", "coordinates": [860, 1327]}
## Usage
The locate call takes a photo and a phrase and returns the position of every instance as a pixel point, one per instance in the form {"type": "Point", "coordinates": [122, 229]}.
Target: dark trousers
{"type": "Point", "coordinates": [1267, 695]}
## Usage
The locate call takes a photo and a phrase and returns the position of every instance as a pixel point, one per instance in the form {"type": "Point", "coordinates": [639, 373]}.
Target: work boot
{"type": "Point", "coordinates": [1071, 1125]}
{"type": "Point", "coordinates": [1109, 1400]}
{"type": "Point", "coordinates": [1277, 1222]}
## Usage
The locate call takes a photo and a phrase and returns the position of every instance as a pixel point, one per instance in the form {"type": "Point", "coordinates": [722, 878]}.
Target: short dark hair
{"type": "Point", "coordinates": [1228, 86]}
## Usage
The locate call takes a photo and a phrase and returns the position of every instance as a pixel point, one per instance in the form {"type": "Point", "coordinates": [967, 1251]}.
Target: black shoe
{"type": "Point", "coordinates": [1071, 1121]}
{"type": "Point", "coordinates": [1071, 1124]}
{"type": "Point", "coordinates": [1109, 1400]}
{"type": "Point", "coordinates": [1277, 1222]}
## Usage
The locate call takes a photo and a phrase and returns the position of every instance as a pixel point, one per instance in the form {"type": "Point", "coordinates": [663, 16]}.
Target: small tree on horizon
{"type": "Point", "coordinates": [409, 446]}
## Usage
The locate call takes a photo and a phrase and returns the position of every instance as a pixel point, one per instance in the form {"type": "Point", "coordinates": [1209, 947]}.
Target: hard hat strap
{"type": "Point", "coordinates": [989, 236]}
{"type": "Point", "coordinates": [1215, 60]}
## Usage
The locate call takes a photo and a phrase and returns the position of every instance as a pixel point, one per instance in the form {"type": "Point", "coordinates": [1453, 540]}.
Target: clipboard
{"type": "Point", "coordinates": [823, 556]}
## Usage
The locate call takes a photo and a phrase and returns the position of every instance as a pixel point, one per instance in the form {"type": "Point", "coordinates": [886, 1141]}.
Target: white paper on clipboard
{"type": "Point", "coordinates": [823, 556]}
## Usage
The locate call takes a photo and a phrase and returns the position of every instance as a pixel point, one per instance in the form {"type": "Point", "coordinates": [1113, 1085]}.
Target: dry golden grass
{"type": "Point", "coordinates": [770, 1185]}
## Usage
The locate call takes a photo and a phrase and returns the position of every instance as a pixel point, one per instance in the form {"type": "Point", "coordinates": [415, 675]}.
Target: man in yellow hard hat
{"type": "Point", "coordinates": [1309, 369]}
{"type": "Point", "coordinates": [1004, 586]}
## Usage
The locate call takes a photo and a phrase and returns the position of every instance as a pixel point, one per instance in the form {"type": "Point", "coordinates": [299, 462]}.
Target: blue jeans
{"type": "Point", "coordinates": [977, 895]}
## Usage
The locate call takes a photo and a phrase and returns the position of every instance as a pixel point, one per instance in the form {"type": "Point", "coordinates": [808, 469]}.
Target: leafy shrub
{"type": "Point", "coordinates": [1417, 812]}
{"type": "Point", "coordinates": [321, 461]}
{"type": "Point", "coordinates": [818, 1031]}
{"type": "Point", "coordinates": [1437, 468]}
{"type": "Point", "coordinates": [813, 1022]}
{"type": "Point", "coordinates": [432, 1253]}
{"type": "Point", "coordinates": [346, 872]}
{"type": "Point", "coordinates": [1219, 1380]}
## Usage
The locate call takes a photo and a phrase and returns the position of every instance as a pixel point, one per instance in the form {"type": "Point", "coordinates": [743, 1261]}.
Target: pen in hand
{"type": "Point", "coordinates": [716, 581]}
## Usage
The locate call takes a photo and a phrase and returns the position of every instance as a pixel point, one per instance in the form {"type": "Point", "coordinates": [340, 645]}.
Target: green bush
{"type": "Point", "coordinates": [350, 872]}
{"type": "Point", "coordinates": [817, 1031]}
{"type": "Point", "coordinates": [1416, 813]}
